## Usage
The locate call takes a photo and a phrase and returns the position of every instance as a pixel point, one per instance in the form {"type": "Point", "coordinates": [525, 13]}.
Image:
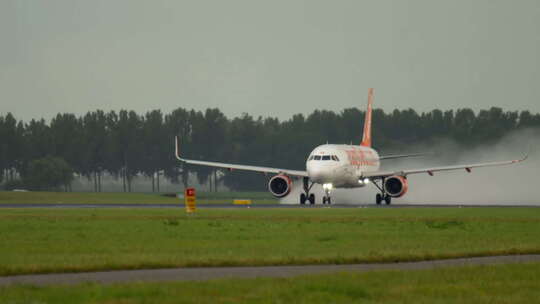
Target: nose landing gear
{"type": "Point", "coordinates": [306, 196]}
{"type": "Point", "coordinates": [326, 199]}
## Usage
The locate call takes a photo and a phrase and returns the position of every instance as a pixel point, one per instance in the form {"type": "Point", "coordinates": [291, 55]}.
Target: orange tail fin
{"type": "Point", "coordinates": [366, 139]}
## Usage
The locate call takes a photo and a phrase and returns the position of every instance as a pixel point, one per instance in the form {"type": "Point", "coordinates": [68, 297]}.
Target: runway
{"type": "Point", "coordinates": [210, 273]}
{"type": "Point", "coordinates": [264, 206]}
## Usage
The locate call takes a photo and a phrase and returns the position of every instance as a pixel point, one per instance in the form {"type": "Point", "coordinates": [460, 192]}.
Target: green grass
{"type": "Point", "coordinates": [475, 284]}
{"type": "Point", "coordinates": [7, 197]}
{"type": "Point", "coordinates": [229, 195]}
{"type": "Point", "coordinates": [68, 240]}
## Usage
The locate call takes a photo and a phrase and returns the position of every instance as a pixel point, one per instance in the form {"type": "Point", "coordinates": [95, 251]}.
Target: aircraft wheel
{"type": "Point", "coordinates": [324, 200]}
{"type": "Point", "coordinates": [311, 199]}
{"type": "Point", "coordinates": [302, 198]}
{"type": "Point", "coordinates": [378, 198]}
{"type": "Point", "coordinates": [388, 199]}
{"type": "Point", "coordinates": [329, 201]}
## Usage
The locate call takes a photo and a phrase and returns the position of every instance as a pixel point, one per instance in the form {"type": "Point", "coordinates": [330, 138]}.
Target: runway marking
{"type": "Point", "coordinates": [210, 273]}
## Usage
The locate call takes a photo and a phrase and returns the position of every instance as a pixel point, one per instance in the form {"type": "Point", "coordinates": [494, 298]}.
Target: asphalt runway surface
{"type": "Point", "coordinates": [259, 206]}
{"type": "Point", "coordinates": [210, 273]}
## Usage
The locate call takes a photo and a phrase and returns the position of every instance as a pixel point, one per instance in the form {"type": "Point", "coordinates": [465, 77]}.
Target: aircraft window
{"type": "Point", "coordinates": [310, 158]}
{"type": "Point", "coordinates": [317, 157]}
{"type": "Point", "coordinates": [326, 157]}
{"type": "Point", "coordinates": [335, 158]}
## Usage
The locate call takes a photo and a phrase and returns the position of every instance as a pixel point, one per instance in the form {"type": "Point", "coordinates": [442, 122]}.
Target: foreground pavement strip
{"type": "Point", "coordinates": [210, 273]}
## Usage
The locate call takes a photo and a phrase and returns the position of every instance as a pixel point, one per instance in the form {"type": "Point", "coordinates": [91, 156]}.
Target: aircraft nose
{"type": "Point", "coordinates": [319, 174]}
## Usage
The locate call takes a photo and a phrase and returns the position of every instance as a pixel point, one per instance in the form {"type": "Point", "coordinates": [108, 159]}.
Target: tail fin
{"type": "Point", "coordinates": [366, 139]}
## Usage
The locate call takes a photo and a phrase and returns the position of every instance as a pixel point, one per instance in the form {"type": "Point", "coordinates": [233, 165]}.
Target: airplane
{"type": "Point", "coordinates": [344, 166]}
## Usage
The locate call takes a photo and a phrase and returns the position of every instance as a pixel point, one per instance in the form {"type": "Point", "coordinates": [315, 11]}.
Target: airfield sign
{"type": "Point", "coordinates": [189, 198]}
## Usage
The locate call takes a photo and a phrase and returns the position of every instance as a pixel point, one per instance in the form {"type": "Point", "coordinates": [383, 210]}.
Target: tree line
{"type": "Point", "coordinates": [126, 144]}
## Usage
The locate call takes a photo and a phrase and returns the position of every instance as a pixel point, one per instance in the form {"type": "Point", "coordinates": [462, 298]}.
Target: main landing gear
{"type": "Point", "coordinates": [306, 196]}
{"type": "Point", "coordinates": [383, 196]}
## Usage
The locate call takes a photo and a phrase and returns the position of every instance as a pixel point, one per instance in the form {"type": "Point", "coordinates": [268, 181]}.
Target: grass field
{"type": "Point", "coordinates": [63, 240]}
{"type": "Point", "coordinates": [7, 197]}
{"type": "Point", "coordinates": [478, 284]}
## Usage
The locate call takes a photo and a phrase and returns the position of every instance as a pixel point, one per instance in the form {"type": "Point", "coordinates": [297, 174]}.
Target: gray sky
{"type": "Point", "coordinates": [270, 58]}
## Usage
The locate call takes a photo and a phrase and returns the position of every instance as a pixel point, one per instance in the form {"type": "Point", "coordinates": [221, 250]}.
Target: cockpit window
{"type": "Point", "coordinates": [324, 157]}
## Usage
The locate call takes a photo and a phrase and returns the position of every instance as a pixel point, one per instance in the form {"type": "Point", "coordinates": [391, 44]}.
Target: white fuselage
{"type": "Point", "coordinates": [341, 165]}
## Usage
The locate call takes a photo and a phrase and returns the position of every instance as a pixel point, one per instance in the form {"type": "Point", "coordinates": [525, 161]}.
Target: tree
{"type": "Point", "coordinates": [463, 126]}
{"type": "Point", "coordinates": [3, 160]}
{"type": "Point", "coordinates": [12, 145]}
{"type": "Point", "coordinates": [95, 138]}
{"type": "Point", "coordinates": [36, 142]}
{"type": "Point", "coordinates": [126, 134]}
{"type": "Point", "coordinates": [208, 138]}
{"type": "Point", "coordinates": [67, 140]}
{"type": "Point", "coordinates": [154, 139]}
{"type": "Point", "coordinates": [126, 144]}
{"type": "Point", "coordinates": [178, 124]}
{"type": "Point", "coordinates": [243, 133]}
{"type": "Point", "coordinates": [49, 173]}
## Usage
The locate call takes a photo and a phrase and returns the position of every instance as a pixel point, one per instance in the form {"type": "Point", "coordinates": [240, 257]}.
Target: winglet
{"type": "Point", "coordinates": [526, 154]}
{"type": "Point", "coordinates": [366, 138]}
{"type": "Point", "coordinates": [177, 149]}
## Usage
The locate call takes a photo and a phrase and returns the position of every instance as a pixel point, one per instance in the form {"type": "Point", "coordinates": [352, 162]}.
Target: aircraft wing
{"type": "Point", "coordinates": [402, 155]}
{"type": "Point", "coordinates": [238, 167]}
{"type": "Point", "coordinates": [432, 170]}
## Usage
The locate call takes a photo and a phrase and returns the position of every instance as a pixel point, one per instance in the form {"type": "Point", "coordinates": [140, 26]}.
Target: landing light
{"type": "Point", "coordinates": [364, 181]}
{"type": "Point", "coordinates": [327, 186]}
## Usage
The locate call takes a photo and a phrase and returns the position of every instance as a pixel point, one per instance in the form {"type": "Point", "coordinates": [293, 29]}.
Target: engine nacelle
{"type": "Point", "coordinates": [396, 186]}
{"type": "Point", "coordinates": [280, 185]}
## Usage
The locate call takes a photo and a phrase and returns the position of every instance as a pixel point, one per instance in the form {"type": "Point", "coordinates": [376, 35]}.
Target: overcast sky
{"type": "Point", "coordinates": [269, 58]}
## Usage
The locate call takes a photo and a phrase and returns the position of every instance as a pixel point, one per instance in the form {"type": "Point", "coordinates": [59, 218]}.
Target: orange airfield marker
{"type": "Point", "coordinates": [189, 199]}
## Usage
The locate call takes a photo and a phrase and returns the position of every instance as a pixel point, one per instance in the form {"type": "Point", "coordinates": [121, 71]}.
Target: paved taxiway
{"type": "Point", "coordinates": [256, 206]}
{"type": "Point", "coordinates": [209, 273]}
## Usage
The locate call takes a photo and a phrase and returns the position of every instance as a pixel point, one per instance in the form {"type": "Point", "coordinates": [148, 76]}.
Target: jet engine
{"type": "Point", "coordinates": [396, 186]}
{"type": "Point", "coordinates": [280, 185]}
